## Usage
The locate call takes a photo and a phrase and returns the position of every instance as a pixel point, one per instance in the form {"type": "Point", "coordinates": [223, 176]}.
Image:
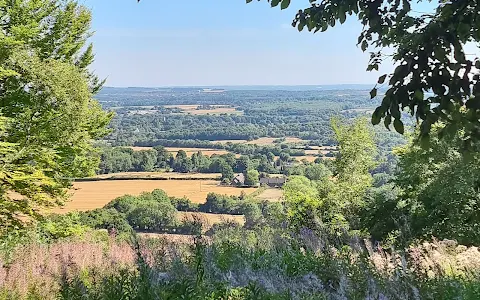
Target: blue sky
{"type": "Point", "coordinates": [220, 42]}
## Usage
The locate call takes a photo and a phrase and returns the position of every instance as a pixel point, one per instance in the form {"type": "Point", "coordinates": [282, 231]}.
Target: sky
{"type": "Point", "coordinates": [220, 42]}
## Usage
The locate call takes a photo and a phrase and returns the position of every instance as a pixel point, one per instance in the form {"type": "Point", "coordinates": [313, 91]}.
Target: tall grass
{"type": "Point", "coordinates": [236, 263]}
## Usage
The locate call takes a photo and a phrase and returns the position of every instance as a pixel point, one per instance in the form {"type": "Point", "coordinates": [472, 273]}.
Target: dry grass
{"type": "Point", "coordinates": [230, 141]}
{"type": "Point", "coordinates": [219, 109]}
{"type": "Point", "coordinates": [95, 194]}
{"type": "Point", "coordinates": [270, 141]}
{"type": "Point", "coordinates": [166, 175]}
{"type": "Point", "coordinates": [308, 158]}
{"type": "Point", "coordinates": [135, 148]}
{"type": "Point", "coordinates": [271, 194]}
{"type": "Point", "coordinates": [189, 151]}
{"type": "Point", "coordinates": [209, 219]}
{"type": "Point", "coordinates": [316, 152]}
{"type": "Point", "coordinates": [42, 265]}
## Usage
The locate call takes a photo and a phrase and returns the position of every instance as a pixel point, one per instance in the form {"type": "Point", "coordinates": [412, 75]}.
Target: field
{"type": "Point", "coordinates": [262, 141]}
{"type": "Point", "coordinates": [95, 194]}
{"type": "Point", "coordinates": [271, 194]}
{"type": "Point", "coordinates": [210, 219]}
{"type": "Point", "coordinates": [219, 109]}
{"type": "Point", "coordinates": [166, 175]}
{"type": "Point", "coordinates": [189, 151]}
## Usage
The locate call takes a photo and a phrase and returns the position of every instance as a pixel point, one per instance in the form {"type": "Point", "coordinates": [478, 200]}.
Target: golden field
{"type": "Point", "coordinates": [189, 151]}
{"type": "Point", "coordinates": [95, 194]}
{"type": "Point", "coordinates": [219, 109]}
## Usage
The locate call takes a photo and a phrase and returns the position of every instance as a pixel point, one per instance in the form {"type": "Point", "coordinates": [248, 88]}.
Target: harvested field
{"type": "Point", "coordinates": [95, 194]}
{"type": "Point", "coordinates": [166, 175]}
{"type": "Point", "coordinates": [135, 148]}
{"type": "Point", "coordinates": [209, 219]}
{"type": "Point", "coordinates": [219, 109]}
{"type": "Point", "coordinates": [315, 152]}
{"type": "Point", "coordinates": [261, 141]}
{"type": "Point", "coordinates": [308, 158]}
{"type": "Point", "coordinates": [230, 141]}
{"type": "Point", "coordinates": [270, 141]}
{"type": "Point", "coordinates": [271, 194]}
{"type": "Point", "coordinates": [325, 148]}
{"type": "Point", "coordinates": [189, 151]}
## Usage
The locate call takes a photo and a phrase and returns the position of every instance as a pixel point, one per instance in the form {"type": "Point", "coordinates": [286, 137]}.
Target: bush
{"type": "Point", "coordinates": [184, 204]}
{"type": "Point", "coordinates": [61, 226]}
{"type": "Point", "coordinates": [220, 204]}
{"type": "Point", "coordinates": [106, 218]}
{"type": "Point", "coordinates": [152, 216]}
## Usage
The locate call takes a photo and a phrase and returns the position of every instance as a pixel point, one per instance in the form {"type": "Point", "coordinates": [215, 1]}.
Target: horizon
{"type": "Point", "coordinates": [221, 44]}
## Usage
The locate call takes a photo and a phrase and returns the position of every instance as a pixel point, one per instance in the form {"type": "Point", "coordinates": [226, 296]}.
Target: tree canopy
{"type": "Point", "coordinates": [48, 115]}
{"type": "Point", "coordinates": [435, 79]}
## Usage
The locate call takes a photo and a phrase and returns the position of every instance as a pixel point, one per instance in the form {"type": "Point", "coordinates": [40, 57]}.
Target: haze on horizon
{"type": "Point", "coordinates": [220, 43]}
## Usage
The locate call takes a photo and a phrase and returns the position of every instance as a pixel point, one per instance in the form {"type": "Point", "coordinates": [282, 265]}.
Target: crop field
{"type": "Point", "coordinates": [219, 109]}
{"type": "Point", "coordinates": [316, 152]}
{"type": "Point", "coordinates": [262, 141]}
{"type": "Point", "coordinates": [166, 175]}
{"type": "Point", "coordinates": [95, 194]}
{"type": "Point", "coordinates": [189, 151]}
{"type": "Point", "coordinates": [209, 219]}
{"type": "Point", "coordinates": [271, 194]}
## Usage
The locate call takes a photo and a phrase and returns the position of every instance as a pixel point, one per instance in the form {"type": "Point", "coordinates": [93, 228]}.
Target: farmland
{"type": "Point", "coordinates": [189, 151]}
{"type": "Point", "coordinates": [263, 141]}
{"type": "Point", "coordinates": [271, 194]}
{"type": "Point", "coordinates": [212, 110]}
{"type": "Point", "coordinates": [95, 194]}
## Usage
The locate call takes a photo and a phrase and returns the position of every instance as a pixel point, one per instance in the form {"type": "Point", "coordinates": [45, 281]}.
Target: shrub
{"type": "Point", "coordinates": [152, 216]}
{"type": "Point", "coordinates": [220, 204]}
{"type": "Point", "coordinates": [184, 204]}
{"type": "Point", "coordinates": [106, 218]}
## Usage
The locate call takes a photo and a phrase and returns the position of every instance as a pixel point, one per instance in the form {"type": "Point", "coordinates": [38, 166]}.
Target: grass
{"type": "Point", "coordinates": [237, 264]}
{"type": "Point", "coordinates": [271, 194]}
{"type": "Point", "coordinates": [192, 109]}
{"type": "Point", "coordinates": [95, 194]}
{"type": "Point", "coordinates": [165, 175]}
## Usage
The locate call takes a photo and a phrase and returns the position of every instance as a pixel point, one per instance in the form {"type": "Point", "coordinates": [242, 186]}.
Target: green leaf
{"type": "Point", "coordinates": [376, 116]}
{"type": "Point", "coordinates": [285, 4]}
{"type": "Point", "coordinates": [373, 93]}
{"type": "Point", "coordinates": [382, 78]}
{"type": "Point", "coordinates": [364, 46]}
{"type": "Point", "coordinates": [418, 95]}
{"type": "Point", "coordinates": [387, 121]}
{"type": "Point", "coordinates": [248, 1]}
{"type": "Point", "coordinates": [398, 126]}
{"type": "Point", "coordinates": [274, 3]}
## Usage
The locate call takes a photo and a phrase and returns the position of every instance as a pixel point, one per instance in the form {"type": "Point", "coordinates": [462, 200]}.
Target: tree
{"type": "Point", "coordinates": [440, 190]}
{"type": "Point", "coordinates": [355, 159]}
{"type": "Point", "coordinates": [163, 157]}
{"type": "Point", "coordinates": [429, 54]}
{"type": "Point", "coordinates": [251, 178]}
{"type": "Point", "coordinates": [317, 172]}
{"type": "Point", "coordinates": [49, 116]}
{"type": "Point", "coordinates": [227, 171]}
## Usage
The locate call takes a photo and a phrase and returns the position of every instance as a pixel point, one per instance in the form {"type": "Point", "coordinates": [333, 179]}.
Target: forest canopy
{"type": "Point", "coordinates": [435, 79]}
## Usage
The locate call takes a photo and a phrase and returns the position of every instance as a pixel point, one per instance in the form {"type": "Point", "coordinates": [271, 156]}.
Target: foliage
{"type": "Point", "coordinates": [429, 53]}
{"type": "Point", "coordinates": [355, 160]}
{"type": "Point", "coordinates": [251, 178]}
{"type": "Point", "coordinates": [440, 190]}
{"type": "Point", "coordinates": [46, 95]}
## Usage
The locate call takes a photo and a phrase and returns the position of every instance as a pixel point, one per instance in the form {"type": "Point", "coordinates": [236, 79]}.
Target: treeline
{"type": "Point", "coordinates": [268, 159]}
